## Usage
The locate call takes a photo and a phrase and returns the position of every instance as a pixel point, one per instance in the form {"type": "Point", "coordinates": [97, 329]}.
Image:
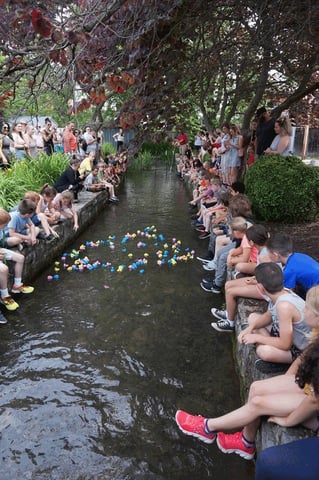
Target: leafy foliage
{"type": "Point", "coordinates": [161, 62]}
{"type": "Point", "coordinates": [29, 174]}
{"type": "Point", "coordinates": [143, 161]}
{"type": "Point", "coordinates": [107, 148]}
{"type": "Point", "coordinates": [283, 189]}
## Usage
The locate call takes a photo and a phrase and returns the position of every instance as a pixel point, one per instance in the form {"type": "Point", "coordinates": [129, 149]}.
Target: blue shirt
{"type": "Point", "coordinates": [19, 223]}
{"type": "Point", "coordinates": [301, 270]}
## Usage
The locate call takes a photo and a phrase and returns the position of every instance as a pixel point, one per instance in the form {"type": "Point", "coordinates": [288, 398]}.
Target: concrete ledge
{"type": "Point", "coordinates": [42, 255]}
{"type": "Point", "coordinates": [269, 434]}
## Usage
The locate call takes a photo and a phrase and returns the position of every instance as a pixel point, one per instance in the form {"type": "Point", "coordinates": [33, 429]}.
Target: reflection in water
{"type": "Point", "coordinates": [92, 377]}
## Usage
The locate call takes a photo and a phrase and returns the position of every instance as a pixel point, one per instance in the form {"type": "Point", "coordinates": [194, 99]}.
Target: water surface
{"type": "Point", "coordinates": [91, 376]}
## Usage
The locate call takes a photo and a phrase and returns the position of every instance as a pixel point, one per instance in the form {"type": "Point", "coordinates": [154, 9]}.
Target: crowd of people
{"type": "Point", "coordinates": [34, 218]}
{"type": "Point", "coordinates": [230, 152]}
{"type": "Point", "coordinates": [23, 139]}
{"type": "Point", "coordinates": [245, 260]}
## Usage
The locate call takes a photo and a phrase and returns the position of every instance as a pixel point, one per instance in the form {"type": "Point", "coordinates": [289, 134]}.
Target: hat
{"type": "Point", "coordinates": [260, 111]}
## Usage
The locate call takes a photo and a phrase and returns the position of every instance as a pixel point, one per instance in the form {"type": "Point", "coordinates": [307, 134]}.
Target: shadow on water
{"type": "Point", "coordinates": [92, 376]}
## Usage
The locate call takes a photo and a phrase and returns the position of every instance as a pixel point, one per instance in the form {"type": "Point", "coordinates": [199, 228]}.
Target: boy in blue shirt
{"type": "Point", "coordinates": [301, 272]}
{"type": "Point", "coordinates": [20, 225]}
{"type": "Point", "coordinates": [9, 255]}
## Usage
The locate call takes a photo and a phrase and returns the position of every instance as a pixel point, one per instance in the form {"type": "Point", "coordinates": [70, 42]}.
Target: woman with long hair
{"type": "Point", "coordinates": [281, 143]}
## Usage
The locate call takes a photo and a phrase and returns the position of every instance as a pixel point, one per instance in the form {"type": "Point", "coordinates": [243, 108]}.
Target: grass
{"type": "Point", "coordinates": [29, 174]}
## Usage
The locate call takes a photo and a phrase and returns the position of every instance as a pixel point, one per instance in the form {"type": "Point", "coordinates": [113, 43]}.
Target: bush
{"type": "Point", "coordinates": [107, 148]}
{"type": "Point", "coordinates": [143, 161]}
{"type": "Point", "coordinates": [164, 151]}
{"type": "Point", "coordinates": [29, 174]}
{"type": "Point", "coordinates": [283, 189]}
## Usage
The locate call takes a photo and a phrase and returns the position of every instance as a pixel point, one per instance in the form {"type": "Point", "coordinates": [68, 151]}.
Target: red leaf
{"type": "Point", "coordinates": [41, 25]}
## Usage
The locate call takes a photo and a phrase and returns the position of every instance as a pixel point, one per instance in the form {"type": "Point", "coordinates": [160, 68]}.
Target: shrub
{"type": "Point", "coordinates": [283, 189]}
{"type": "Point", "coordinates": [107, 148]}
{"type": "Point", "coordinates": [164, 151]}
{"type": "Point", "coordinates": [143, 161]}
{"type": "Point", "coordinates": [29, 174]}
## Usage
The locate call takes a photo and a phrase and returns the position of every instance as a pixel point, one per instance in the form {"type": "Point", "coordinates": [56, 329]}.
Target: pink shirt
{"type": "Point", "coordinates": [253, 250]}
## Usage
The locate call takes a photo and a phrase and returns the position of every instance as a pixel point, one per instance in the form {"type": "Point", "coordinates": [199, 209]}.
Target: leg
{"type": "Point", "coordinates": [44, 223]}
{"type": "Point", "coordinates": [18, 260]}
{"type": "Point", "coordinates": [283, 403]}
{"type": "Point", "coordinates": [246, 267]}
{"type": "Point", "coordinates": [247, 416]}
{"type": "Point", "coordinates": [221, 241]}
{"type": "Point", "coordinates": [273, 354]}
{"type": "Point", "coordinates": [6, 299]}
{"type": "Point", "coordinates": [18, 286]}
{"type": "Point", "coordinates": [238, 288]}
{"type": "Point", "coordinates": [221, 261]}
{"type": "Point", "coordinates": [211, 245]}
{"type": "Point", "coordinates": [4, 272]}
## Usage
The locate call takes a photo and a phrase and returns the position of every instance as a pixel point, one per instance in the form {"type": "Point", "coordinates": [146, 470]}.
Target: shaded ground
{"type": "Point", "coordinates": [305, 236]}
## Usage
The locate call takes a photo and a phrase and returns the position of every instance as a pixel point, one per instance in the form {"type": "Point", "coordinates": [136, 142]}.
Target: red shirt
{"type": "Point", "coordinates": [182, 139]}
{"type": "Point", "coordinates": [69, 142]}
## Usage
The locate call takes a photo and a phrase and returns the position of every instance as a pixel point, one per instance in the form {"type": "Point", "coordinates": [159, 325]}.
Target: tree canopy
{"type": "Point", "coordinates": [161, 61]}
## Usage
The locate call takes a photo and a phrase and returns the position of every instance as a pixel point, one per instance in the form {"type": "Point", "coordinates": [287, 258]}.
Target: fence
{"type": "Point", "coordinates": [109, 132]}
{"type": "Point", "coordinates": [305, 142]}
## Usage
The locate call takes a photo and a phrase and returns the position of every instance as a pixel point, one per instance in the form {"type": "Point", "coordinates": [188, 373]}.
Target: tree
{"type": "Point", "coordinates": [161, 61]}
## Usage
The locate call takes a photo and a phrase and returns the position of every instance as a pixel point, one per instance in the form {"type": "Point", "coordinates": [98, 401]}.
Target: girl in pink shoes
{"type": "Point", "coordinates": [290, 399]}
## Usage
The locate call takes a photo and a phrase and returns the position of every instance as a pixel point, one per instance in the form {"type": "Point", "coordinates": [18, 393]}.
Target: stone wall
{"type": "Point", "coordinates": [269, 434]}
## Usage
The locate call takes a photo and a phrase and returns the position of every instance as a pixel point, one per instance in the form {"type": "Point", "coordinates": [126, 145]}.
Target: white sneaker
{"type": "Point", "coordinates": [211, 265]}
{"type": "Point", "coordinates": [203, 259]}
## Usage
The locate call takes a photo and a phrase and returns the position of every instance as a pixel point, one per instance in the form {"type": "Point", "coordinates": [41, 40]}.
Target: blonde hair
{"type": "Point", "coordinates": [285, 124]}
{"type": "Point", "coordinates": [4, 216]}
{"type": "Point", "coordinates": [239, 224]}
{"type": "Point", "coordinates": [312, 299]}
{"type": "Point", "coordinates": [215, 180]}
{"type": "Point", "coordinates": [67, 195]}
{"type": "Point", "coordinates": [30, 195]}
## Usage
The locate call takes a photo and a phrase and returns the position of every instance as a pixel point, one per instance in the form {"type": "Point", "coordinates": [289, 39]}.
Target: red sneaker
{"type": "Point", "coordinates": [233, 443]}
{"type": "Point", "coordinates": [193, 425]}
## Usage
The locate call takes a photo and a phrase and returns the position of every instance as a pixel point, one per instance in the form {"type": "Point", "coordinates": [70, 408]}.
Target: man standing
{"type": "Point", "coordinates": [265, 132]}
{"type": "Point", "coordinates": [182, 141]}
{"type": "Point", "coordinates": [90, 138]}
{"type": "Point", "coordinates": [69, 139]}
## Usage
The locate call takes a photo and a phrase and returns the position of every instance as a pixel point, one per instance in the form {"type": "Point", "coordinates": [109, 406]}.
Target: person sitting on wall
{"type": "Point", "coordinates": [290, 399]}
{"type": "Point", "coordinates": [71, 179]}
{"type": "Point", "coordinates": [280, 334]}
{"type": "Point", "coordinates": [94, 184]}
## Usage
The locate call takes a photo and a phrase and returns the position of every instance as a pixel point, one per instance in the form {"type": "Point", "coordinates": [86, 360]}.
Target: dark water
{"type": "Point", "coordinates": [91, 377]}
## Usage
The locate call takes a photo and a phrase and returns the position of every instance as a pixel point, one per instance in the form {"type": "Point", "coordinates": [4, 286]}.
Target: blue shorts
{"type": "Point", "coordinates": [35, 220]}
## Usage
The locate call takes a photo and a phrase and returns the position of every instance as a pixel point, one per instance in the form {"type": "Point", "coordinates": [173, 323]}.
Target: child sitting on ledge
{"type": "Point", "coordinates": [63, 204]}
{"type": "Point", "coordinates": [18, 259]}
